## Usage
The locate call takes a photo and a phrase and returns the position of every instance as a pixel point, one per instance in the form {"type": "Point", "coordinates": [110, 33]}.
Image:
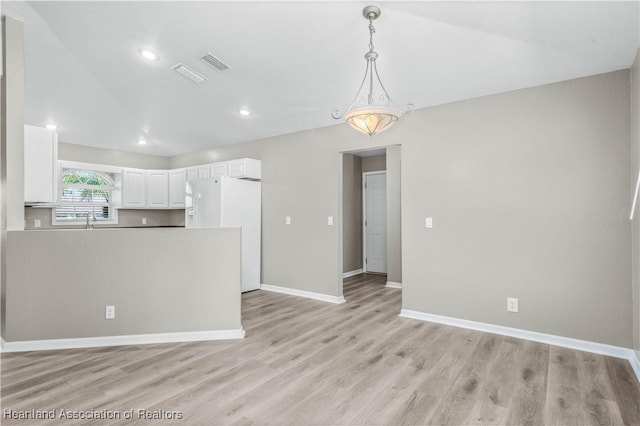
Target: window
{"type": "Point", "coordinates": [86, 193]}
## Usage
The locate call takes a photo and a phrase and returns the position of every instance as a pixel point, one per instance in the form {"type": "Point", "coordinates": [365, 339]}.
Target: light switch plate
{"type": "Point", "coordinates": [330, 220]}
{"type": "Point", "coordinates": [287, 220]}
{"type": "Point", "coordinates": [428, 222]}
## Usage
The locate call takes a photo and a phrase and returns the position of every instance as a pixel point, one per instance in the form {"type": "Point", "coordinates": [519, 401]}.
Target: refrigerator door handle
{"type": "Point", "coordinates": [196, 209]}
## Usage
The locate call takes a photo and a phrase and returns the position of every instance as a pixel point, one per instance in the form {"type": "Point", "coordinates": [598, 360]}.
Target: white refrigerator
{"type": "Point", "coordinates": [224, 202]}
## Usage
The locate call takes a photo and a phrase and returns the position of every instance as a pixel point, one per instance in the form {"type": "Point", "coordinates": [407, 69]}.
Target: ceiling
{"type": "Point", "coordinates": [292, 63]}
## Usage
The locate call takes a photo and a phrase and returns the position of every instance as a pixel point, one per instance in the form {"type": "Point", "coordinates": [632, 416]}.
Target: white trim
{"type": "Point", "coordinates": [90, 166]}
{"type": "Point", "coordinates": [392, 284]}
{"type": "Point", "coordinates": [303, 293]}
{"type": "Point", "coordinates": [352, 273]}
{"type": "Point", "coordinates": [635, 197]}
{"type": "Point", "coordinates": [550, 339]}
{"type": "Point", "coordinates": [635, 363]}
{"type": "Point", "coordinates": [134, 339]}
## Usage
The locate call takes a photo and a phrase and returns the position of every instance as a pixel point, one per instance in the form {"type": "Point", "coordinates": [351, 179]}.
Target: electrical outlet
{"type": "Point", "coordinates": [512, 304]}
{"type": "Point", "coordinates": [287, 220]}
{"type": "Point", "coordinates": [110, 312]}
{"type": "Point", "coordinates": [144, 220]}
{"type": "Point", "coordinates": [428, 222]}
{"type": "Point", "coordinates": [37, 223]}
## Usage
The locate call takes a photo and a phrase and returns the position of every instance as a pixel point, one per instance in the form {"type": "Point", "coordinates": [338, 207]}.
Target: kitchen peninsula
{"type": "Point", "coordinates": [165, 284]}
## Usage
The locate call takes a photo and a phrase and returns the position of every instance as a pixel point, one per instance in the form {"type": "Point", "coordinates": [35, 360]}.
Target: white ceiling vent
{"type": "Point", "coordinates": [214, 62]}
{"type": "Point", "coordinates": [189, 73]}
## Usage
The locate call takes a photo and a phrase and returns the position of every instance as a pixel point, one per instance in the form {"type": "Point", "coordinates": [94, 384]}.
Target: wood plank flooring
{"type": "Point", "coordinates": [306, 362]}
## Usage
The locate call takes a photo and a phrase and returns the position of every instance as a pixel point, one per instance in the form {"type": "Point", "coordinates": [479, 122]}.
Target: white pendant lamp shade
{"type": "Point", "coordinates": [364, 114]}
{"type": "Point", "coordinates": [372, 121]}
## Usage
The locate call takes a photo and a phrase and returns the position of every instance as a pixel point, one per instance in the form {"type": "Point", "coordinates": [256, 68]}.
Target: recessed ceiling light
{"type": "Point", "coordinates": [244, 111]}
{"type": "Point", "coordinates": [148, 54]}
{"type": "Point", "coordinates": [142, 142]}
{"type": "Point", "coordinates": [51, 126]}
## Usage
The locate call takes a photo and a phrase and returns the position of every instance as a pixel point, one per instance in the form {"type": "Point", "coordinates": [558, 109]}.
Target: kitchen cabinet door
{"type": "Point", "coordinates": [133, 189]}
{"type": "Point", "coordinates": [157, 189]}
{"type": "Point", "coordinates": [192, 173]}
{"type": "Point", "coordinates": [218, 169]}
{"type": "Point", "coordinates": [177, 184]}
{"type": "Point", "coordinates": [247, 168]}
{"type": "Point", "coordinates": [203, 171]}
{"type": "Point", "coordinates": [40, 165]}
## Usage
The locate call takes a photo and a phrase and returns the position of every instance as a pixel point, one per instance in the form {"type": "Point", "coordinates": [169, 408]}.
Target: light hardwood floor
{"type": "Point", "coordinates": [307, 362]}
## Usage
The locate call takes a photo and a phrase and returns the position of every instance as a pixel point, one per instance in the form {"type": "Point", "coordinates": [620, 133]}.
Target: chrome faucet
{"type": "Point", "coordinates": [89, 225]}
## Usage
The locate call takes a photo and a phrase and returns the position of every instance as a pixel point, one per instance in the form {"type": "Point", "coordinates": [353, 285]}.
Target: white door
{"type": "Point", "coordinates": [375, 221]}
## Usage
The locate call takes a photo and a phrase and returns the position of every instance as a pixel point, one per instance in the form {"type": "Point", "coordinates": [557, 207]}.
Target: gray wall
{"type": "Point", "coordinates": [394, 229]}
{"type": "Point", "coordinates": [351, 213]}
{"type": "Point", "coordinates": [13, 115]}
{"type": "Point", "coordinates": [529, 192]}
{"type": "Point", "coordinates": [305, 255]}
{"type": "Point", "coordinates": [374, 163]}
{"type": "Point", "coordinates": [11, 143]}
{"type": "Point", "coordinates": [160, 281]}
{"type": "Point", "coordinates": [635, 168]}
{"type": "Point", "coordinates": [112, 157]}
{"type": "Point", "coordinates": [176, 217]}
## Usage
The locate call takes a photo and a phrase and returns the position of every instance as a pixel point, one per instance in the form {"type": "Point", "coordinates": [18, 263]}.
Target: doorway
{"type": "Point", "coordinates": [376, 247]}
{"type": "Point", "coordinates": [374, 222]}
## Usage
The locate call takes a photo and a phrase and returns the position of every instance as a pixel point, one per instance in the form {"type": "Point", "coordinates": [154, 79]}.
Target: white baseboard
{"type": "Point", "coordinates": [135, 339]}
{"type": "Point", "coordinates": [303, 293]}
{"type": "Point", "coordinates": [550, 339]}
{"type": "Point", "coordinates": [352, 273]}
{"type": "Point", "coordinates": [635, 363]}
{"type": "Point", "coordinates": [392, 284]}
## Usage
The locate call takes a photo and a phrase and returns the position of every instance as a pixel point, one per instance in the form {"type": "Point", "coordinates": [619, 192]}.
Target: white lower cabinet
{"type": "Point", "coordinates": [177, 185]}
{"type": "Point", "coordinates": [157, 189]}
{"type": "Point", "coordinates": [133, 189]}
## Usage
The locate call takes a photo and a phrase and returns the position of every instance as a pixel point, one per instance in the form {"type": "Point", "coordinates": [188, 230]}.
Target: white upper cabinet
{"type": "Point", "coordinates": [157, 189]}
{"type": "Point", "coordinates": [165, 189]}
{"type": "Point", "coordinates": [203, 172]}
{"type": "Point", "coordinates": [133, 189]}
{"type": "Point", "coordinates": [192, 173]}
{"type": "Point", "coordinates": [247, 168]}
{"type": "Point", "coordinates": [177, 186]}
{"type": "Point", "coordinates": [40, 165]}
{"type": "Point", "coordinates": [218, 169]}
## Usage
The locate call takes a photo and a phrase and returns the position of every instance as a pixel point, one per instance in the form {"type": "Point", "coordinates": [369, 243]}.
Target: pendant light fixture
{"type": "Point", "coordinates": [375, 111]}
